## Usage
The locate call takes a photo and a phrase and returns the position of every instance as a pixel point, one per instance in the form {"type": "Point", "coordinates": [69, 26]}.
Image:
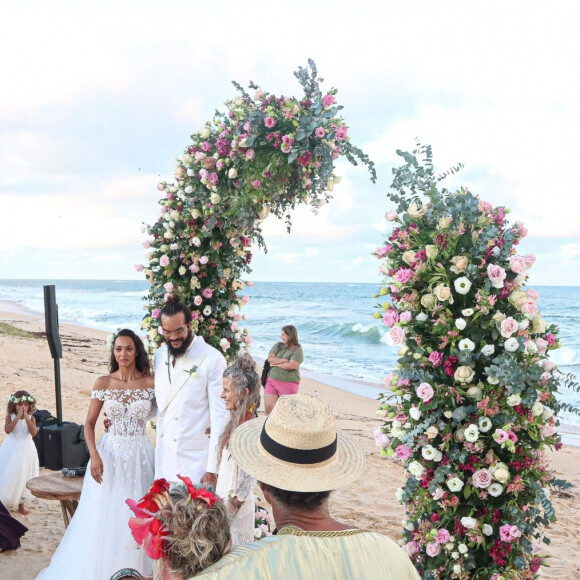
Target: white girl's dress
{"type": "Point", "coordinates": [98, 541]}
{"type": "Point", "coordinates": [233, 481]}
{"type": "Point", "coordinates": [18, 464]}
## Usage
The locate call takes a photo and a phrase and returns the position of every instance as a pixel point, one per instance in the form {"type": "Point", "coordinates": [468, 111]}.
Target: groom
{"type": "Point", "coordinates": [191, 414]}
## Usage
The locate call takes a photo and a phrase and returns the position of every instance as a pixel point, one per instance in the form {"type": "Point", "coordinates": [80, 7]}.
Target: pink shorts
{"type": "Point", "coordinates": [274, 387]}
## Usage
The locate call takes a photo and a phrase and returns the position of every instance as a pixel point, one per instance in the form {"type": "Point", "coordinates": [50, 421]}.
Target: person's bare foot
{"type": "Point", "coordinates": [22, 510]}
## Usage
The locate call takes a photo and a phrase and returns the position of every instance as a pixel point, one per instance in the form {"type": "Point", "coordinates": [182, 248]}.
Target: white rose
{"type": "Point", "coordinates": [203, 133]}
{"type": "Point", "coordinates": [466, 344]}
{"type": "Point", "coordinates": [409, 257]}
{"type": "Point", "coordinates": [462, 285]}
{"type": "Point", "coordinates": [467, 312]}
{"type": "Point", "coordinates": [443, 293]}
{"type": "Point", "coordinates": [524, 324]}
{"type": "Point", "coordinates": [488, 350]}
{"type": "Point", "coordinates": [537, 409]}
{"type": "Point", "coordinates": [399, 494]}
{"type": "Point", "coordinates": [460, 323]}
{"type": "Point", "coordinates": [182, 270]}
{"type": "Point", "coordinates": [415, 212]}
{"type": "Point", "coordinates": [416, 469]}
{"type": "Point", "coordinates": [474, 393]}
{"type": "Point", "coordinates": [495, 490]}
{"type": "Point", "coordinates": [511, 344]}
{"type": "Point", "coordinates": [431, 251]}
{"type": "Point", "coordinates": [462, 549]}
{"type": "Point", "coordinates": [455, 555]}
{"type": "Point", "coordinates": [547, 413]}
{"type": "Point", "coordinates": [428, 301]}
{"type": "Point", "coordinates": [493, 380]}
{"type": "Point", "coordinates": [415, 413]}
{"type": "Point", "coordinates": [455, 484]}
{"type": "Point", "coordinates": [232, 173]}
{"type": "Point", "coordinates": [468, 523]}
{"type": "Point", "coordinates": [456, 568]}
{"type": "Point", "coordinates": [464, 374]}
{"type": "Point", "coordinates": [472, 433]}
{"type": "Point", "coordinates": [513, 400]}
{"type": "Point", "coordinates": [487, 529]}
{"type": "Point", "coordinates": [444, 222]}
{"type": "Point", "coordinates": [215, 198]}
{"type": "Point", "coordinates": [421, 317]}
{"type": "Point", "coordinates": [500, 472]}
{"type": "Point", "coordinates": [432, 432]}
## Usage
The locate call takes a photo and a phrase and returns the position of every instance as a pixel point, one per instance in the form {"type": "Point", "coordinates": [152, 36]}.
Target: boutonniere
{"type": "Point", "coordinates": [193, 372]}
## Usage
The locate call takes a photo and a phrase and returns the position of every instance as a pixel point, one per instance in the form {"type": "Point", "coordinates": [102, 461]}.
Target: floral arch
{"type": "Point", "coordinates": [265, 155]}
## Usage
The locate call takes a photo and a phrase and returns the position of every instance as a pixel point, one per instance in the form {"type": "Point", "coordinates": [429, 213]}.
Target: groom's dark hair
{"type": "Point", "coordinates": [173, 306]}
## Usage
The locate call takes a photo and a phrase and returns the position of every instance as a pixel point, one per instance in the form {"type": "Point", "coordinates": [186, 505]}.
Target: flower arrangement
{"type": "Point", "coordinates": [265, 154]}
{"type": "Point", "coordinates": [262, 523]}
{"type": "Point", "coordinates": [147, 526]}
{"type": "Point", "coordinates": [472, 407]}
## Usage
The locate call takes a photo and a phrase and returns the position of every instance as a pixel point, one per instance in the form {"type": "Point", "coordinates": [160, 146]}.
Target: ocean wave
{"type": "Point", "coordinates": [565, 357]}
{"type": "Point", "coordinates": [369, 334]}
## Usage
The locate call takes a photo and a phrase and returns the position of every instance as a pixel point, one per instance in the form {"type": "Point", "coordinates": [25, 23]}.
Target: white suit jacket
{"type": "Point", "coordinates": [186, 407]}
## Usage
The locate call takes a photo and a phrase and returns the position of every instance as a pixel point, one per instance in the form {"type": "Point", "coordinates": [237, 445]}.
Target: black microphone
{"type": "Point", "coordinates": [74, 472]}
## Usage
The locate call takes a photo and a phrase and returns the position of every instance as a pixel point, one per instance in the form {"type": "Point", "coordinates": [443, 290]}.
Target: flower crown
{"type": "Point", "coordinates": [23, 399]}
{"type": "Point", "coordinates": [147, 526]}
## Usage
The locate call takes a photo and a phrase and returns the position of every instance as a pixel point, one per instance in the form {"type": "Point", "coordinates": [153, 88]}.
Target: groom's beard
{"type": "Point", "coordinates": [176, 351]}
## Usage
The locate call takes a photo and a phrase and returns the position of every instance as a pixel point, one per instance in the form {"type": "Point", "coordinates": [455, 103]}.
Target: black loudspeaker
{"type": "Point", "coordinates": [51, 322]}
{"type": "Point", "coordinates": [64, 446]}
{"type": "Point", "coordinates": [43, 419]}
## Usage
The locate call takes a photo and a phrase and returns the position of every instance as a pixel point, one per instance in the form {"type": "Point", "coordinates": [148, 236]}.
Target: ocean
{"type": "Point", "coordinates": [343, 344]}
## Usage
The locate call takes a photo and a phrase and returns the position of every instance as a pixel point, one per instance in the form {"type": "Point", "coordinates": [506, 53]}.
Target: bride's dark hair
{"type": "Point", "coordinates": [142, 362]}
{"type": "Point", "coordinates": [243, 375]}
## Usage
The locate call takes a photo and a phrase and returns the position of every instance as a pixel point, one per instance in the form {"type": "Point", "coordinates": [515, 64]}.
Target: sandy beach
{"type": "Point", "coordinates": [25, 363]}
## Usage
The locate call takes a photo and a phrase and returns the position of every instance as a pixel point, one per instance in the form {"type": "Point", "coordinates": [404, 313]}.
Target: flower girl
{"type": "Point", "coordinates": [18, 456]}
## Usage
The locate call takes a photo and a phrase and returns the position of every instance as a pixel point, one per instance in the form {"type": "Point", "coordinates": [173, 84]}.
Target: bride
{"type": "Point", "coordinates": [98, 540]}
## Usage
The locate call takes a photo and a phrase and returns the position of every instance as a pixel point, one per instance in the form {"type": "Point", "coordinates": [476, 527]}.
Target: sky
{"type": "Point", "coordinates": [98, 99]}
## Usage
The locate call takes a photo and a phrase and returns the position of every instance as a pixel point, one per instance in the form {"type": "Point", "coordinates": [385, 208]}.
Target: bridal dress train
{"type": "Point", "coordinates": [98, 541]}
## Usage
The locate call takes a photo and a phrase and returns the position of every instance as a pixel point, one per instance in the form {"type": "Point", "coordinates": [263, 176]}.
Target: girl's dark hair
{"type": "Point", "coordinates": [243, 375]}
{"type": "Point", "coordinates": [142, 362]}
{"type": "Point", "coordinates": [292, 334]}
{"type": "Point", "coordinates": [11, 408]}
{"type": "Point", "coordinates": [173, 306]}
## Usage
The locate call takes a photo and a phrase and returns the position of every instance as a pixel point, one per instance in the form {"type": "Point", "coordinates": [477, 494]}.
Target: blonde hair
{"type": "Point", "coordinates": [243, 375]}
{"type": "Point", "coordinates": [197, 535]}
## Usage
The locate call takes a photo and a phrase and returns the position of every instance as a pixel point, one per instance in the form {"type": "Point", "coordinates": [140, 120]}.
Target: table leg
{"type": "Point", "coordinates": [68, 508]}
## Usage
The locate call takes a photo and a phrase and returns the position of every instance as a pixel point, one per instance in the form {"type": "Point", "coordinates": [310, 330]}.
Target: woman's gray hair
{"type": "Point", "coordinates": [243, 375]}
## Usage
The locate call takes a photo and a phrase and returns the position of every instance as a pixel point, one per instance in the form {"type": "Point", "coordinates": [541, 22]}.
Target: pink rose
{"type": "Point", "coordinates": [156, 313]}
{"type": "Point", "coordinates": [542, 345]}
{"type": "Point", "coordinates": [397, 335]}
{"type": "Point", "coordinates": [139, 267]}
{"type": "Point", "coordinates": [439, 493]}
{"type": "Point", "coordinates": [529, 259]}
{"type": "Point", "coordinates": [204, 260]}
{"type": "Point", "coordinates": [509, 533]}
{"type": "Point", "coordinates": [547, 431]}
{"type": "Point", "coordinates": [406, 316]}
{"type": "Point", "coordinates": [390, 317]}
{"type": "Point", "coordinates": [443, 536]}
{"type": "Point", "coordinates": [381, 251]}
{"type": "Point", "coordinates": [207, 293]}
{"type": "Point", "coordinates": [213, 178]}
{"type": "Point", "coordinates": [245, 299]}
{"type": "Point", "coordinates": [234, 326]}
{"type": "Point", "coordinates": [250, 154]}
{"type": "Point", "coordinates": [391, 216]}
{"type": "Point", "coordinates": [341, 133]}
{"type": "Point", "coordinates": [433, 549]}
{"type": "Point", "coordinates": [425, 391]}
{"type": "Point", "coordinates": [551, 339]}
{"type": "Point", "coordinates": [530, 308]}
{"type": "Point", "coordinates": [521, 229]}
{"type": "Point", "coordinates": [195, 315]}
{"type": "Point", "coordinates": [435, 358]}
{"type": "Point", "coordinates": [327, 101]}
{"type": "Point", "coordinates": [518, 265]}
{"type": "Point", "coordinates": [496, 275]}
{"type": "Point", "coordinates": [257, 184]}
{"type": "Point", "coordinates": [194, 268]}
{"type": "Point", "coordinates": [197, 300]}
{"type": "Point", "coordinates": [403, 275]}
{"type": "Point", "coordinates": [164, 260]}
{"type": "Point", "coordinates": [248, 339]}
{"type": "Point", "coordinates": [508, 327]}
{"type": "Point", "coordinates": [482, 478]}
{"type": "Point", "coordinates": [146, 244]}
{"type": "Point", "coordinates": [270, 122]}
{"type": "Point", "coordinates": [532, 295]}
{"type": "Point", "coordinates": [249, 283]}
{"type": "Point", "coordinates": [168, 286]}
{"type": "Point", "coordinates": [160, 186]}
{"type": "Point", "coordinates": [411, 548]}
{"type": "Point", "coordinates": [320, 132]}
{"type": "Point", "coordinates": [403, 452]}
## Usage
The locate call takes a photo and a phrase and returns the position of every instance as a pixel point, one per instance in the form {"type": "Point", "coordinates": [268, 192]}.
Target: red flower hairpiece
{"type": "Point", "coordinates": [147, 528]}
{"type": "Point", "coordinates": [199, 492]}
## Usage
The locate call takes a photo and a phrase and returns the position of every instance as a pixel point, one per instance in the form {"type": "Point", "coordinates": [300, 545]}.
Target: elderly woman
{"type": "Point", "coordinates": [241, 393]}
{"type": "Point", "coordinates": [284, 377]}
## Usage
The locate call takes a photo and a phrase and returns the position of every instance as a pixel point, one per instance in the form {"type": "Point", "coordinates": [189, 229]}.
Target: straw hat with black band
{"type": "Point", "coordinates": [297, 447]}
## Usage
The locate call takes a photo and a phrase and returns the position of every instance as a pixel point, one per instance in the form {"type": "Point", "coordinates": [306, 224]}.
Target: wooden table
{"type": "Point", "coordinates": [67, 490]}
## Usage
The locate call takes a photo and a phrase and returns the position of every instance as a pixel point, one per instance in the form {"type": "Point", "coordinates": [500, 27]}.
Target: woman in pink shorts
{"type": "Point", "coordinates": [284, 376]}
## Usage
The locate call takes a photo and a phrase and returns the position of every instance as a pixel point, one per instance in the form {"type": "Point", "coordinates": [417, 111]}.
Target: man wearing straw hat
{"type": "Point", "coordinates": [298, 456]}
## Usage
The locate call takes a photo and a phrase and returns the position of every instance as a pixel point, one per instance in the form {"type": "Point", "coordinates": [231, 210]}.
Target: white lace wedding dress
{"type": "Point", "coordinates": [98, 541]}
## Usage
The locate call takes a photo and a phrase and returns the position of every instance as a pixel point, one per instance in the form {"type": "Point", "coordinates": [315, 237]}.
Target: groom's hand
{"type": "Point", "coordinates": [209, 479]}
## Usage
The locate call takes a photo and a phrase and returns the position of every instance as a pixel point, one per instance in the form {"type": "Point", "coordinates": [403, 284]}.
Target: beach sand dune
{"type": "Point", "coordinates": [25, 363]}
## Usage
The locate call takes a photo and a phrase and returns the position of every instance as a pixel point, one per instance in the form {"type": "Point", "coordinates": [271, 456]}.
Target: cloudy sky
{"type": "Point", "coordinates": [98, 99]}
